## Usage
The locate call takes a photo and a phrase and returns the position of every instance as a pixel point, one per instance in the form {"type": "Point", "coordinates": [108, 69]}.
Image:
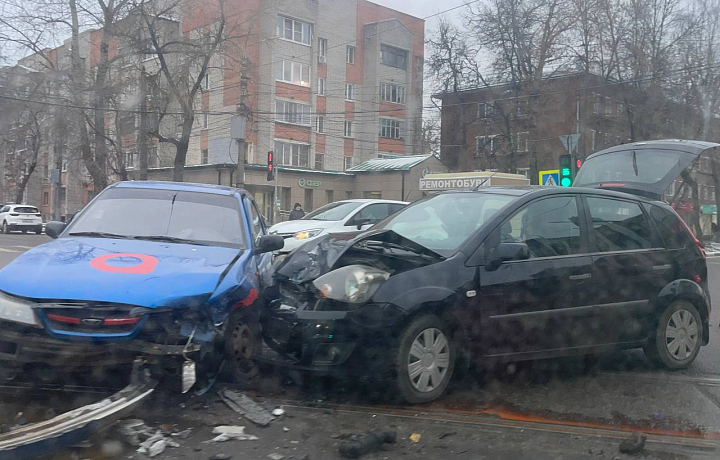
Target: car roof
{"type": "Point", "coordinates": [371, 200]}
{"type": "Point", "coordinates": [14, 205]}
{"type": "Point", "coordinates": [180, 187]}
{"type": "Point", "coordinates": [541, 190]}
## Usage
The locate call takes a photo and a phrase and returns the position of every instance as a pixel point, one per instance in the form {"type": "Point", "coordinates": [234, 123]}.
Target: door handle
{"type": "Point", "coordinates": [584, 276]}
{"type": "Point", "coordinates": [662, 267]}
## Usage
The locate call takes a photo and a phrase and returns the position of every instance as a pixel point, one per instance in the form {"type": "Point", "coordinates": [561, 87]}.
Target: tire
{"type": "Point", "coordinates": [5, 228]}
{"type": "Point", "coordinates": [683, 320]}
{"type": "Point", "coordinates": [23, 231]}
{"type": "Point", "coordinates": [422, 386]}
{"type": "Point", "coordinates": [38, 231]}
{"type": "Point", "coordinates": [242, 342]}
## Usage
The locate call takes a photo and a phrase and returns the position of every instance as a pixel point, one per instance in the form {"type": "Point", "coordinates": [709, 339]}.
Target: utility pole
{"type": "Point", "coordinates": [60, 138]}
{"type": "Point", "coordinates": [142, 131]}
{"type": "Point", "coordinates": [239, 123]}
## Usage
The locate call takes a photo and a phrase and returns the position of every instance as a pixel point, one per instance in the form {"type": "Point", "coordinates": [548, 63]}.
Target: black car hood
{"type": "Point", "coordinates": [319, 256]}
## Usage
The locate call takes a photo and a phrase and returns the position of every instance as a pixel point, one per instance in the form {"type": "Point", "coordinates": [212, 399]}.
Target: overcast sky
{"type": "Point", "coordinates": [425, 8]}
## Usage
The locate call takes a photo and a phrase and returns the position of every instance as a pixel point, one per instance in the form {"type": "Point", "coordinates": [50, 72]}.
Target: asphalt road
{"type": "Point", "coordinates": [619, 391]}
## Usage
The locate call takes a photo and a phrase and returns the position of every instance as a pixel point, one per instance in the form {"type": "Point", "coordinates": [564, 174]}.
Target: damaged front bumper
{"type": "Point", "coordinates": [46, 438]}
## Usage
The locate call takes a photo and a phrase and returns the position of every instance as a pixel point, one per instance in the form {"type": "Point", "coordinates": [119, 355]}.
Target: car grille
{"type": "Point", "coordinates": [99, 318]}
{"type": "Point", "coordinates": [279, 330]}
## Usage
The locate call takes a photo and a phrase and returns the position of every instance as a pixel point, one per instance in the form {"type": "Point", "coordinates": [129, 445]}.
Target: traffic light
{"type": "Point", "coordinates": [271, 166]}
{"type": "Point", "coordinates": [566, 175]}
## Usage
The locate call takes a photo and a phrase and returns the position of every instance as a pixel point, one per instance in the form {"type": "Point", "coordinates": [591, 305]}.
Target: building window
{"type": "Point", "coordinates": [390, 128]}
{"type": "Point", "coordinates": [392, 93]}
{"type": "Point", "coordinates": [322, 47]}
{"type": "Point", "coordinates": [319, 161]}
{"type": "Point", "coordinates": [372, 195]}
{"type": "Point", "coordinates": [206, 82]}
{"type": "Point", "coordinates": [320, 125]}
{"type": "Point", "coordinates": [46, 198]}
{"type": "Point", "coordinates": [485, 110]}
{"type": "Point", "coordinates": [292, 154]}
{"type": "Point", "coordinates": [329, 196]}
{"type": "Point", "coordinates": [393, 57]}
{"type": "Point", "coordinates": [348, 128]}
{"type": "Point", "coordinates": [292, 112]}
{"type": "Point", "coordinates": [350, 54]}
{"type": "Point", "coordinates": [204, 157]}
{"type": "Point", "coordinates": [608, 107]}
{"type": "Point", "coordinates": [293, 30]}
{"type": "Point", "coordinates": [593, 136]}
{"type": "Point", "coordinates": [204, 120]}
{"type": "Point", "coordinates": [153, 158]}
{"type": "Point", "coordinates": [321, 87]}
{"type": "Point", "coordinates": [484, 144]}
{"type": "Point", "coordinates": [670, 190]}
{"type": "Point", "coordinates": [130, 160]}
{"type": "Point", "coordinates": [348, 163]}
{"type": "Point", "coordinates": [522, 109]}
{"type": "Point", "coordinates": [293, 72]}
{"type": "Point", "coordinates": [349, 91]}
{"type": "Point", "coordinates": [522, 142]}
{"type": "Point", "coordinates": [597, 99]}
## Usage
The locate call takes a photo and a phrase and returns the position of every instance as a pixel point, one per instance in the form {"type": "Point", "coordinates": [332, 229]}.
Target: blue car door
{"type": "Point", "coordinates": [258, 230]}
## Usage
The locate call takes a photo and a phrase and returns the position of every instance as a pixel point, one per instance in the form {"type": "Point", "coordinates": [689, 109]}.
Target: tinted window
{"type": "Point", "coordinates": [671, 228]}
{"type": "Point", "coordinates": [395, 207]}
{"type": "Point", "coordinates": [549, 227]}
{"type": "Point", "coordinates": [26, 209]}
{"type": "Point", "coordinates": [444, 222]}
{"type": "Point", "coordinates": [204, 217]}
{"type": "Point", "coordinates": [619, 225]}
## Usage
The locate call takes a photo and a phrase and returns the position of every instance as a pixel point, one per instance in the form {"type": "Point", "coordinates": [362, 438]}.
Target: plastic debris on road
{"type": "Point", "coordinates": [278, 412]}
{"type": "Point", "coordinates": [276, 457]}
{"type": "Point", "coordinates": [372, 441]}
{"type": "Point", "coordinates": [246, 406]}
{"type": "Point", "coordinates": [415, 437]}
{"type": "Point", "coordinates": [231, 433]}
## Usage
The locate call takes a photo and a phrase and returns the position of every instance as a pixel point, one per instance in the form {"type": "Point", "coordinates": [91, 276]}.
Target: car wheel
{"type": "Point", "coordinates": [424, 359]}
{"type": "Point", "coordinates": [678, 336]}
{"type": "Point", "coordinates": [5, 228]}
{"type": "Point", "coordinates": [38, 231]}
{"type": "Point", "coordinates": [23, 231]}
{"type": "Point", "coordinates": [242, 342]}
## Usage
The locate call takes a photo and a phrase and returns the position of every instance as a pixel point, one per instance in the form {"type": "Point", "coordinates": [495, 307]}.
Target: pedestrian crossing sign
{"type": "Point", "coordinates": [550, 177]}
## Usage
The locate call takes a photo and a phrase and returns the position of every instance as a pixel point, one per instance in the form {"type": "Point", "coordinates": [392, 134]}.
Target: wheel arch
{"type": "Point", "coordinates": [689, 291]}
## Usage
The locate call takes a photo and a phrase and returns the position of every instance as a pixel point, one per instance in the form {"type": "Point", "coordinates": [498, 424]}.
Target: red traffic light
{"type": "Point", "coordinates": [578, 163]}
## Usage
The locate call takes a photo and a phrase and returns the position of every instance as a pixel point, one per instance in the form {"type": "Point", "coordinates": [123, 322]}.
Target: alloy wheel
{"type": "Point", "coordinates": [681, 335]}
{"type": "Point", "coordinates": [243, 346]}
{"type": "Point", "coordinates": [428, 360]}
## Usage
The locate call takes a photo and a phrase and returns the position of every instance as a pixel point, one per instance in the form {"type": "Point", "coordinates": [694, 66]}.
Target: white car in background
{"type": "Point", "coordinates": [338, 217]}
{"type": "Point", "coordinates": [21, 217]}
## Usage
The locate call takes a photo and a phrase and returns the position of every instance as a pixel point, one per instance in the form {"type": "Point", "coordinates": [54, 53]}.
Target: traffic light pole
{"type": "Point", "coordinates": [276, 205]}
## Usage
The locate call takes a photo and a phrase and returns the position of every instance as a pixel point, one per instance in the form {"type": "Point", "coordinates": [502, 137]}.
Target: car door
{"type": "Point", "coordinates": [539, 304]}
{"type": "Point", "coordinates": [630, 267]}
{"type": "Point", "coordinates": [258, 230]}
{"type": "Point", "coordinates": [368, 216]}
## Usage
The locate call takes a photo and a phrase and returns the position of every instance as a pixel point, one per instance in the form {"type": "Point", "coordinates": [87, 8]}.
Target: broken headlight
{"type": "Point", "coordinates": [352, 284]}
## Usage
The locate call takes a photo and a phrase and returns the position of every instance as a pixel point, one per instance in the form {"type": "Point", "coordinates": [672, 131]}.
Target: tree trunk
{"type": "Point", "coordinates": [20, 191]}
{"type": "Point", "coordinates": [142, 132]}
{"type": "Point", "coordinates": [696, 204]}
{"type": "Point", "coordinates": [181, 147]}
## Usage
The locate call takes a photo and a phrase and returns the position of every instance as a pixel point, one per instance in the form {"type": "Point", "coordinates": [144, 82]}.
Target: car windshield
{"type": "Point", "coordinates": [145, 213]}
{"type": "Point", "coordinates": [26, 210]}
{"type": "Point", "coordinates": [334, 211]}
{"type": "Point", "coordinates": [442, 223]}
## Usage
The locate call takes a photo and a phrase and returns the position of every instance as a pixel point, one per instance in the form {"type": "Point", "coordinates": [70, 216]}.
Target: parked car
{"type": "Point", "coordinates": [170, 271]}
{"type": "Point", "coordinates": [340, 216]}
{"type": "Point", "coordinates": [20, 217]}
{"type": "Point", "coordinates": [502, 274]}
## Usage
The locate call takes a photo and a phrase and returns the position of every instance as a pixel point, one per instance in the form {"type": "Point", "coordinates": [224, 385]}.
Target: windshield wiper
{"type": "Point", "coordinates": [169, 239]}
{"type": "Point", "coordinates": [373, 244]}
{"type": "Point", "coordinates": [98, 235]}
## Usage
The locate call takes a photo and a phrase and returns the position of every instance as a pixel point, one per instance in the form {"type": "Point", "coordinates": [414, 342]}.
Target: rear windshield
{"type": "Point", "coordinates": [202, 217]}
{"type": "Point", "coordinates": [26, 209]}
{"type": "Point", "coordinates": [635, 166]}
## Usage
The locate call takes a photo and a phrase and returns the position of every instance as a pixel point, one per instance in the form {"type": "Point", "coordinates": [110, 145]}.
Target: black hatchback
{"type": "Point", "coordinates": [503, 274]}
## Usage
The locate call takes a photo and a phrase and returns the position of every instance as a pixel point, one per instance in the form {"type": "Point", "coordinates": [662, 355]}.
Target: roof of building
{"type": "Point", "coordinates": [390, 164]}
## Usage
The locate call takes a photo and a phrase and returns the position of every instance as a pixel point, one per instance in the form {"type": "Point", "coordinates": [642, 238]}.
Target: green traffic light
{"type": "Point", "coordinates": [566, 171]}
{"type": "Point", "coordinates": [565, 182]}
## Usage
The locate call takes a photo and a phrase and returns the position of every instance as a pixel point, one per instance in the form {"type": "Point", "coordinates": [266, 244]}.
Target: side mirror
{"type": "Point", "coordinates": [269, 243]}
{"type": "Point", "coordinates": [54, 229]}
{"type": "Point", "coordinates": [508, 251]}
{"type": "Point", "coordinates": [360, 222]}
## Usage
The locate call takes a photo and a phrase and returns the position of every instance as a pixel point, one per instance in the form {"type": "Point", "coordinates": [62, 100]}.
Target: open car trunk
{"type": "Point", "coordinates": [642, 168]}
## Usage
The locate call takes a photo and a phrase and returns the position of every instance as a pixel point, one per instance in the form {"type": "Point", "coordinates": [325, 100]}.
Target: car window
{"type": "Point", "coordinates": [256, 223]}
{"type": "Point", "coordinates": [550, 227]}
{"type": "Point", "coordinates": [394, 207]}
{"type": "Point", "coordinates": [334, 211]}
{"type": "Point", "coordinates": [671, 228]}
{"type": "Point", "coordinates": [204, 217]}
{"type": "Point", "coordinates": [442, 223]}
{"type": "Point", "coordinates": [4, 209]}
{"type": "Point", "coordinates": [373, 213]}
{"type": "Point", "coordinates": [26, 209]}
{"type": "Point", "coordinates": [618, 225]}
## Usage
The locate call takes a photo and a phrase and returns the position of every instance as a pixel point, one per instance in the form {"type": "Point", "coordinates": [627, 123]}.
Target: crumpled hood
{"type": "Point", "coordinates": [293, 226]}
{"type": "Point", "coordinates": [150, 274]}
{"type": "Point", "coordinates": [319, 256]}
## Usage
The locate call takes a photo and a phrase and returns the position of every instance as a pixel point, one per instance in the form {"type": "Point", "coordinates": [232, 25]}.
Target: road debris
{"type": "Point", "coordinates": [221, 457]}
{"type": "Point", "coordinates": [633, 444]}
{"type": "Point", "coordinates": [183, 434]}
{"type": "Point", "coordinates": [246, 406]}
{"type": "Point", "coordinates": [415, 437]}
{"type": "Point", "coordinates": [286, 429]}
{"type": "Point", "coordinates": [231, 432]}
{"type": "Point", "coordinates": [447, 434]}
{"type": "Point", "coordinates": [278, 412]}
{"type": "Point", "coordinates": [592, 451]}
{"type": "Point", "coordinates": [358, 446]}
{"type": "Point", "coordinates": [276, 457]}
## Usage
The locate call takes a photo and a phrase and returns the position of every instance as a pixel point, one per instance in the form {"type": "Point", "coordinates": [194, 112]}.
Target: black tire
{"type": "Point", "coordinates": [242, 341]}
{"type": "Point", "coordinates": [5, 228]}
{"type": "Point", "coordinates": [23, 231]}
{"type": "Point", "coordinates": [38, 231]}
{"type": "Point", "coordinates": [401, 360]}
{"type": "Point", "coordinates": [657, 349]}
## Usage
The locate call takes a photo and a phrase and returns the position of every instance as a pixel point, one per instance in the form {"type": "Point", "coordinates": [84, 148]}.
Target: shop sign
{"type": "Point", "coordinates": [309, 183]}
{"type": "Point", "coordinates": [709, 209]}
